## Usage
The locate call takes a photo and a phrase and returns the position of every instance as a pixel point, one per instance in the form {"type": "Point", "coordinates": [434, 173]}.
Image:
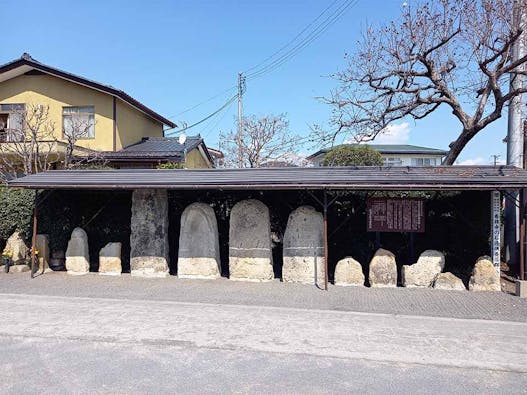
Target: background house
{"type": "Point", "coordinates": [395, 155]}
{"type": "Point", "coordinates": [82, 118]}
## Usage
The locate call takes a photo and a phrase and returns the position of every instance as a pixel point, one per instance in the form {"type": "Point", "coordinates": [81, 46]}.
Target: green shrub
{"type": "Point", "coordinates": [353, 155]}
{"type": "Point", "coordinates": [16, 209]}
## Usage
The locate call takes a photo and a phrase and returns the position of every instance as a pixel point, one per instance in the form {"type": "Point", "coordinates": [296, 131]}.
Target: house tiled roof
{"type": "Point", "coordinates": [163, 148]}
{"type": "Point", "coordinates": [31, 64]}
{"type": "Point", "coordinates": [396, 149]}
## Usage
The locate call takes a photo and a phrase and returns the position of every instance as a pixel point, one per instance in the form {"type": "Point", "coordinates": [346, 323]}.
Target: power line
{"type": "Point", "coordinates": [292, 40]}
{"type": "Point", "coordinates": [312, 36]}
{"type": "Point", "coordinates": [231, 100]}
{"type": "Point", "coordinates": [203, 102]}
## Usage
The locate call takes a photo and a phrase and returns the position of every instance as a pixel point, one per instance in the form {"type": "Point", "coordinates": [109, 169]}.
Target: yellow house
{"type": "Point", "coordinates": [90, 116]}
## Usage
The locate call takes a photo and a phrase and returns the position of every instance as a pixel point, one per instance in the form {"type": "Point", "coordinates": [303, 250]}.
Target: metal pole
{"type": "Point", "coordinates": [34, 241]}
{"type": "Point", "coordinates": [515, 138]}
{"type": "Point", "coordinates": [522, 235]}
{"type": "Point", "coordinates": [239, 137]}
{"type": "Point", "coordinates": [325, 240]}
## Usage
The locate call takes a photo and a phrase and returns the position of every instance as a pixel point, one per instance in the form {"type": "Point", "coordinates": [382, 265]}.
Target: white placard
{"type": "Point", "coordinates": [495, 228]}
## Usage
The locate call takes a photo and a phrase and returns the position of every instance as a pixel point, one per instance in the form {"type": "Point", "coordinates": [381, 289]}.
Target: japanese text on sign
{"type": "Point", "coordinates": [395, 215]}
{"type": "Point", "coordinates": [495, 227]}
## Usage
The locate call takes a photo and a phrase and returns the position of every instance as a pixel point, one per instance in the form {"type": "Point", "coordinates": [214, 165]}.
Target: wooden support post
{"type": "Point", "coordinates": [325, 240]}
{"type": "Point", "coordinates": [34, 240]}
{"type": "Point", "coordinates": [522, 234]}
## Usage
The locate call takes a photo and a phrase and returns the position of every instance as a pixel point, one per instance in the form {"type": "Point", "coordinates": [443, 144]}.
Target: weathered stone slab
{"type": "Point", "coordinates": [250, 257]}
{"type": "Point", "coordinates": [484, 276]}
{"type": "Point", "coordinates": [199, 247]}
{"type": "Point", "coordinates": [17, 246]}
{"type": "Point", "coordinates": [449, 282]}
{"type": "Point", "coordinates": [110, 259]}
{"type": "Point", "coordinates": [423, 273]}
{"type": "Point", "coordinates": [42, 246]}
{"type": "Point", "coordinates": [149, 233]}
{"type": "Point", "coordinates": [78, 254]}
{"type": "Point", "coordinates": [303, 254]}
{"type": "Point", "coordinates": [383, 269]}
{"type": "Point", "coordinates": [348, 272]}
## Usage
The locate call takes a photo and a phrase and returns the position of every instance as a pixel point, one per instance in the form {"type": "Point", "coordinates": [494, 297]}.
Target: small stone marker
{"type": "Point", "coordinates": [449, 282]}
{"type": "Point", "coordinates": [110, 259]}
{"type": "Point", "coordinates": [383, 269]}
{"type": "Point", "coordinates": [17, 246]}
{"type": "Point", "coordinates": [303, 256]}
{"type": "Point", "coordinates": [77, 254]}
{"type": "Point", "coordinates": [423, 273]}
{"type": "Point", "coordinates": [199, 247]}
{"type": "Point", "coordinates": [19, 268]}
{"type": "Point", "coordinates": [149, 233]}
{"type": "Point", "coordinates": [348, 272]}
{"type": "Point", "coordinates": [250, 257]}
{"type": "Point", "coordinates": [484, 276]}
{"type": "Point", "coordinates": [42, 245]}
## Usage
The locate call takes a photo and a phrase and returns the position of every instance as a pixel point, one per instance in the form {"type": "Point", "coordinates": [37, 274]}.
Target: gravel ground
{"type": "Point", "coordinates": [425, 302]}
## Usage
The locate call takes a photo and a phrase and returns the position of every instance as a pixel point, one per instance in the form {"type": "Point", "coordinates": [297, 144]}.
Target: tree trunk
{"type": "Point", "coordinates": [457, 146]}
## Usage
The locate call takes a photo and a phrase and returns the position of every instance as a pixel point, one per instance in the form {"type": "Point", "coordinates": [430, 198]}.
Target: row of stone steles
{"type": "Point", "coordinates": [250, 249]}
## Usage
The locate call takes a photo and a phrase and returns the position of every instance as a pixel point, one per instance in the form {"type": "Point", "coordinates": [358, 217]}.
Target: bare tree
{"type": "Point", "coordinates": [76, 127]}
{"type": "Point", "coordinates": [447, 53]}
{"type": "Point", "coordinates": [266, 139]}
{"type": "Point", "coordinates": [28, 144]}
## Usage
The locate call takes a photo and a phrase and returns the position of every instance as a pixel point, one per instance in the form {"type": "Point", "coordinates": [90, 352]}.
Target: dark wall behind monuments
{"type": "Point", "coordinates": [456, 223]}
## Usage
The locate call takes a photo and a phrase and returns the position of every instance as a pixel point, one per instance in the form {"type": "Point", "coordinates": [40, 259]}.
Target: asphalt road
{"type": "Point", "coordinates": [72, 344]}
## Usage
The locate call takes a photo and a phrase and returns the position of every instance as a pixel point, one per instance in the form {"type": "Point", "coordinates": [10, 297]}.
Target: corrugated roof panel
{"type": "Point", "coordinates": [392, 178]}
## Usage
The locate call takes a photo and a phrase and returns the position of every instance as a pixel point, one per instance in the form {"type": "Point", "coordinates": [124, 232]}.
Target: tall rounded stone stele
{"type": "Point", "coordinates": [149, 233]}
{"type": "Point", "coordinates": [199, 247]}
{"type": "Point", "coordinates": [303, 254]}
{"type": "Point", "coordinates": [484, 277]}
{"type": "Point", "coordinates": [77, 254]}
{"type": "Point", "coordinates": [383, 269]}
{"type": "Point", "coordinates": [250, 257]}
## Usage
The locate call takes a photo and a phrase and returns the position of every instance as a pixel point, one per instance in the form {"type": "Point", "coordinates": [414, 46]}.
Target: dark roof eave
{"type": "Point", "coordinates": [92, 84]}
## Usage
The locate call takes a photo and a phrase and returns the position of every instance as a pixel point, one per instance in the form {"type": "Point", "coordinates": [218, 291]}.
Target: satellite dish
{"type": "Point", "coordinates": [182, 138]}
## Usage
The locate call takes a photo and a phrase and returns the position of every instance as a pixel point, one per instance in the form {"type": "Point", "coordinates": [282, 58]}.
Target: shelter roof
{"type": "Point", "coordinates": [285, 178]}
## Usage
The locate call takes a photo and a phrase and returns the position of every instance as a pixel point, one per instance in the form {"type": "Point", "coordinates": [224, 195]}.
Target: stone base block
{"type": "Point", "coordinates": [348, 273]}
{"type": "Point", "coordinates": [521, 288]}
{"type": "Point", "coordinates": [301, 269]}
{"type": "Point", "coordinates": [77, 265]}
{"type": "Point", "coordinates": [149, 267]}
{"type": "Point", "coordinates": [204, 268]}
{"type": "Point", "coordinates": [250, 269]}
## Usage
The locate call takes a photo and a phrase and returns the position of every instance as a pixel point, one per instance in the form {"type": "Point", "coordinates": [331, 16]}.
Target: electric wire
{"type": "Point", "coordinates": [311, 37]}
{"type": "Point", "coordinates": [203, 102]}
{"type": "Point", "coordinates": [204, 119]}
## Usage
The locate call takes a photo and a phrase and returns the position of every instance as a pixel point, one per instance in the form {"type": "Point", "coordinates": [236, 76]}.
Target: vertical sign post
{"type": "Point", "coordinates": [495, 228]}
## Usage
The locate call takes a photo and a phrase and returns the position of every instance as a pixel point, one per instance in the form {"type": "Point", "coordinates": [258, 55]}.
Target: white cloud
{"type": "Point", "coordinates": [472, 162]}
{"type": "Point", "coordinates": [394, 134]}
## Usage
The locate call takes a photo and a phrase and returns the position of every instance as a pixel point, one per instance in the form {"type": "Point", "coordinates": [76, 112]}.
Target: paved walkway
{"type": "Point", "coordinates": [421, 302]}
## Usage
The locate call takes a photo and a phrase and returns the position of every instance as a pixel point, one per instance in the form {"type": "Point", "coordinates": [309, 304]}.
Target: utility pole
{"type": "Point", "coordinates": [515, 137]}
{"type": "Point", "coordinates": [239, 137]}
{"type": "Point", "coordinates": [495, 157]}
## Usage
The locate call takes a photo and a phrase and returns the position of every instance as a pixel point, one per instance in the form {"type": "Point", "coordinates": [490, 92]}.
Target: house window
{"type": "Point", "coordinates": [393, 161]}
{"type": "Point", "coordinates": [423, 161]}
{"type": "Point", "coordinates": [11, 122]}
{"type": "Point", "coordinates": [79, 122]}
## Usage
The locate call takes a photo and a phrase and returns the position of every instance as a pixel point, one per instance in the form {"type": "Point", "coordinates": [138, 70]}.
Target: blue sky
{"type": "Point", "coordinates": [171, 55]}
